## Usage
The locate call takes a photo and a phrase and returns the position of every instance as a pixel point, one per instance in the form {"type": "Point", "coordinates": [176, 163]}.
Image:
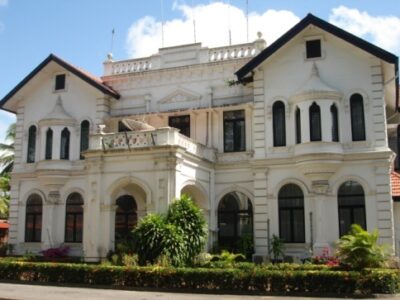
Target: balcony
{"type": "Point", "coordinates": [165, 136]}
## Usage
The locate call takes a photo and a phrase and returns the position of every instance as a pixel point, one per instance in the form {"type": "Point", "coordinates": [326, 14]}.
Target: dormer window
{"type": "Point", "coordinates": [313, 48]}
{"type": "Point", "coordinates": [59, 82]}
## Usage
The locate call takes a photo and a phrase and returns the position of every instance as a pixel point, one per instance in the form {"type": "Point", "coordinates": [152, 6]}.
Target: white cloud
{"type": "Point", "coordinates": [212, 27]}
{"type": "Point", "coordinates": [384, 31]}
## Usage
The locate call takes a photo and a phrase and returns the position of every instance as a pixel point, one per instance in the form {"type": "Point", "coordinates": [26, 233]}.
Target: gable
{"type": "Point", "coordinates": [310, 19]}
{"type": "Point", "coordinates": [83, 75]}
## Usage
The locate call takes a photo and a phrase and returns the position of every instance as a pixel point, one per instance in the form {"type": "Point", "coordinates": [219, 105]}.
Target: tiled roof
{"type": "Point", "coordinates": [4, 225]}
{"type": "Point", "coordinates": [395, 178]}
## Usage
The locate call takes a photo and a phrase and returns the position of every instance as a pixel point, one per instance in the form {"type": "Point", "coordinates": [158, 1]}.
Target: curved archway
{"type": "Point", "coordinates": [235, 220]}
{"type": "Point", "coordinates": [197, 193]}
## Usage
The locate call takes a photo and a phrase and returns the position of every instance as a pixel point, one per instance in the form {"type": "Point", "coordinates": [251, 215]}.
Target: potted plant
{"type": "Point", "coordinates": [277, 247]}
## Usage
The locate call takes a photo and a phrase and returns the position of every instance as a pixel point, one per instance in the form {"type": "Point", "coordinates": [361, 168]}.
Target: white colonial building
{"type": "Point", "coordinates": [288, 139]}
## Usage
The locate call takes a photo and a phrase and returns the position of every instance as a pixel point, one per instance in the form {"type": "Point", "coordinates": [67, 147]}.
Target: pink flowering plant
{"type": "Point", "coordinates": [326, 259]}
{"type": "Point", "coordinates": [58, 252]}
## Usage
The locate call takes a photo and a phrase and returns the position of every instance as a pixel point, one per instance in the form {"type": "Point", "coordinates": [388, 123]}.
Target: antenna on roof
{"type": "Point", "coordinates": [162, 23]}
{"type": "Point", "coordinates": [247, 20]}
{"type": "Point", "coordinates": [194, 22]}
{"type": "Point", "coordinates": [229, 23]}
{"type": "Point", "coordinates": [112, 40]}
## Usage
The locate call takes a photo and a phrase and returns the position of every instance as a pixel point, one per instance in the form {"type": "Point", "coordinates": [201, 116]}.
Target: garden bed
{"type": "Point", "coordinates": [246, 278]}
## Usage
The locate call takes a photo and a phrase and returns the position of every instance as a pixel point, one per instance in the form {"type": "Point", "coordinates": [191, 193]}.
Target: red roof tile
{"type": "Point", "coordinates": [4, 225]}
{"type": "Point", "coordinates": [395, 178]}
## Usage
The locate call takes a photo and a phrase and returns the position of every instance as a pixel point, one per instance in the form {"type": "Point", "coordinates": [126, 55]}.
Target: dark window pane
{"type": "Point", "coordinates": [291, 214]}
{"type": "Point", "coordinates": [122, 127]}
{"type": "Point", "coordinates": [279, 126]}
{"type": "Point", "coordinates": [357, 117]}
{"type": "Point", "coordinates": [31, 144]}
{"type": "Point", "coordinates": [234, 131]}
{"type": "Point", "coordinates": [60, 82]}
{"type": "Point", "coordinates": [85, 125]}
{"type": "Point", "coordinates": [74, 218]}
{"type": "Point", "coordinates": [64, 147]}
{"type": "Point", "coordinates": [315, 122]}
{"type": "Point", "coordinates": [182, 123]}
{"type": "Point", "coordinates": [33, 219]}
{"type": "Point", "coordinates": [49, 144]}
{"type": "Point", "coordinates": [125, 217]}
{"type": "Point", "coordinates": [298, 126]}
{"type": "Point", "coordinates": [313, 48]}
{"type": "Point", "coordinates": [351, 206]}
{"type": "Point", "coordinates": [335, 124]}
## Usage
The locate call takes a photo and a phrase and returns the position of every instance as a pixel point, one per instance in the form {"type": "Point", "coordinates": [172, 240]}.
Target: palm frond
{"type": "Point", "coordinates": [10, 133]}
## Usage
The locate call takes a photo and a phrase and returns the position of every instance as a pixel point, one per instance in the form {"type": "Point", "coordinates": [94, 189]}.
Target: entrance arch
{"type": "Point", "coordinates": [235, 220]}
{"type": "Point", "coordinates": [125, 216]}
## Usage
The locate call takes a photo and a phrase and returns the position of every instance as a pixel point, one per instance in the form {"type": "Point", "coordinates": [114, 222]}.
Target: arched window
{"type": "Point", "coordinates": [315, 123]}
{"type": "Point", "coordinates": [335, 123]}
{"type": "Point", "coordinates": [125, 217]}
{"type": "Point", "coordinates": [85, 125]}
{"type": "Point", "coordinates": [74, 218]}
{"type": "Point", "coordinates": [351, 202]}
{"type": "Point", "coordinates": [279, 126]}
{"type": "Point", "coordinates": [235, 220]}
{"type": "Point", "coordinates": [33, 219]}
{"type": "Point", "coordinates": [291, 214]}
{"type": "Point", "coordinates": [64, 147]}
{"type": "Point", "coordinates": [298, 126]}
{"type": "Point", "coordinates": [357, 117]}
{"type": "Point", "coordinates": [49, 144]}
{"type": "Point", "coordinates": [31, 144]}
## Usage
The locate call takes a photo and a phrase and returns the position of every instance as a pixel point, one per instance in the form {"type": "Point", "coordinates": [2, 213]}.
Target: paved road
{"type": "Point", "coordinates": [37, 292]}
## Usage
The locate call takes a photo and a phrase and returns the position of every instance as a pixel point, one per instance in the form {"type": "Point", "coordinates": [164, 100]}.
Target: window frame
{"type": "Point", "coordinates": [279, 124]}
{"type": "Point", "coordinates": [126, 215]}
{"type": "Point", "coordinates": [37, 225]}
{"type": "Point", "coordinates": [84, 138]}
{"type": "Point", "coordinates": [313, 48]}
{"type": "Point", "coordinates": [358, 130]}
{"type": "Point", "coordinates": [291, 210]}
{"type": "Point", "coordinates": [76, 231]}
{"type": "Point", "coordinates": [65, 142]}
{"type": "Point", "coordinates": [48, 152]}
{"type": "Point", "coordinates": [64, 87]}
{"type": "Point", "coordinates": [298, 125]}
{"type": "Point", "coordinates": [237, 145]}
{"type": "Point", "coordinates": [335, 123]}
{"type": "Point", "coordinates": [350, 207]}
{"type": "Point", "coordinates": [31, 147]}
{"type": "Point", "coordinates": [315, 132]}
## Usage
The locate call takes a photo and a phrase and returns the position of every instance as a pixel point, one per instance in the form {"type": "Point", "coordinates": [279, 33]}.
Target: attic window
{"type": "Point", "coordinates": [313, 48]}
{"type": "Point", "coordinates": [60, 82]}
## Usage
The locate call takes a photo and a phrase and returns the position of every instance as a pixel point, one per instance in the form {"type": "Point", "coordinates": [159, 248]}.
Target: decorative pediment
{"type": "Point", "coordinates": [180, 95]}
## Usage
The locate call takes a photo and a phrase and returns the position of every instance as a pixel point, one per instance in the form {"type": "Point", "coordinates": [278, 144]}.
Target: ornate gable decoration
{"type": "Point", "coordinates": [180, 95]}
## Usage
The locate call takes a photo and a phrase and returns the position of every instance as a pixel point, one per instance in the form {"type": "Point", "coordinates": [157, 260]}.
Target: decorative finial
{"type": "Point", "coordinates": [109, 56]}
{"type": "Point", "coordinates": [259, 34]}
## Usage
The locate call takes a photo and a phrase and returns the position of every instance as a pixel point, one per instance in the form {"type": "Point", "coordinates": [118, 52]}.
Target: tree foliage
{"type": "Point", "coordinates": [360, 249]}
{"type": "Point", "coordinates": [177, 237]}
{"type": "Point", "coordinates": [7, 150]}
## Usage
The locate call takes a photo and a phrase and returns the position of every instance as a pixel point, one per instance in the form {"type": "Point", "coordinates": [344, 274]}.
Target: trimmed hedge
{"type": "Point", "coordinates": [261, 279]}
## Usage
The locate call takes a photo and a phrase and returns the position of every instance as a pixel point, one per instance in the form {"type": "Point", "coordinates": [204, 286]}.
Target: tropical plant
{"type": "Point", "coordinates": [184, 214]}
{"type": "Point", "coordinates": [7, 150]}
{"type": "Point", "coordinates": [4, 195]}
{"type": "Point", "coordinates": [277, 247]}
{"type": "Point", "coordinates": [360, 249]}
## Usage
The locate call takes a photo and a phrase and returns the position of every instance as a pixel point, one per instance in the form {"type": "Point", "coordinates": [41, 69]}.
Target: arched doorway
{"type": "Point", "coordinates": [235, 221]}
{"type": "Point", "coordinates": [125, 216]}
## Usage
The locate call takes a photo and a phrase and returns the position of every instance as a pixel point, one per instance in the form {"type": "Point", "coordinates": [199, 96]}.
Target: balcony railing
{"type": "Point", "coordinates": [151, 138]}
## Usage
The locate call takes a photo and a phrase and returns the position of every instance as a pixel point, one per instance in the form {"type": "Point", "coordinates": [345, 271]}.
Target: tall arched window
{"type": "Point", "coordinates": [125, 217]}
{"type": "Point", "coordinates": [74, 218]}
{"type": "Point", "coordinates": [49, 144]}
{"type": "Point", "coordinates": [357, 117]}
{"type": "Point", "coordinates": [33, 219]}
{"type": "Point", "coordinates": [291, 214]}
{"type": "Point", "coordinates": [315, 123]}
{"type": "Point", "coordinates": [235, 220]}
{"type": "Point", "coordinates": [31, 144]}
{"type": "Point", "coordinates": [85, 125]}
{"type": "Point", "coordinates": [279, 126]}
{"type": "Point", "coordinates": [335, 123]}
{"type": "Point", "coordinates": [64, 147]}
{"type": "Point", "coordinates": [351, 203]}
{"type": "Point", "coordinates": [298, 126]}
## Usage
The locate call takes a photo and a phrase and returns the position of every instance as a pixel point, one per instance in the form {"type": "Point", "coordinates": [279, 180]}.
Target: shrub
{"type": "Point", "coordinates": [57, 252]}
{"type": "Point", "coordinates": [360, 249]}
{"type": "Point", "coordinates": [184, 214]}
{"type": "Point", "coordinates": [325, 259]}
{"type": "Point", "coordinates": [277, 247]}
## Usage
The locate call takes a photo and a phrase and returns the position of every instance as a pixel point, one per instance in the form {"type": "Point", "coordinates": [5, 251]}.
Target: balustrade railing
{"type": "Point", "coordinates": [142, 139]}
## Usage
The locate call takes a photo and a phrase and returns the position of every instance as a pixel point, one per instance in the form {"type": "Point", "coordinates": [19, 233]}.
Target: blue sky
{"type": "Point", "coordinates": [80, 30]}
